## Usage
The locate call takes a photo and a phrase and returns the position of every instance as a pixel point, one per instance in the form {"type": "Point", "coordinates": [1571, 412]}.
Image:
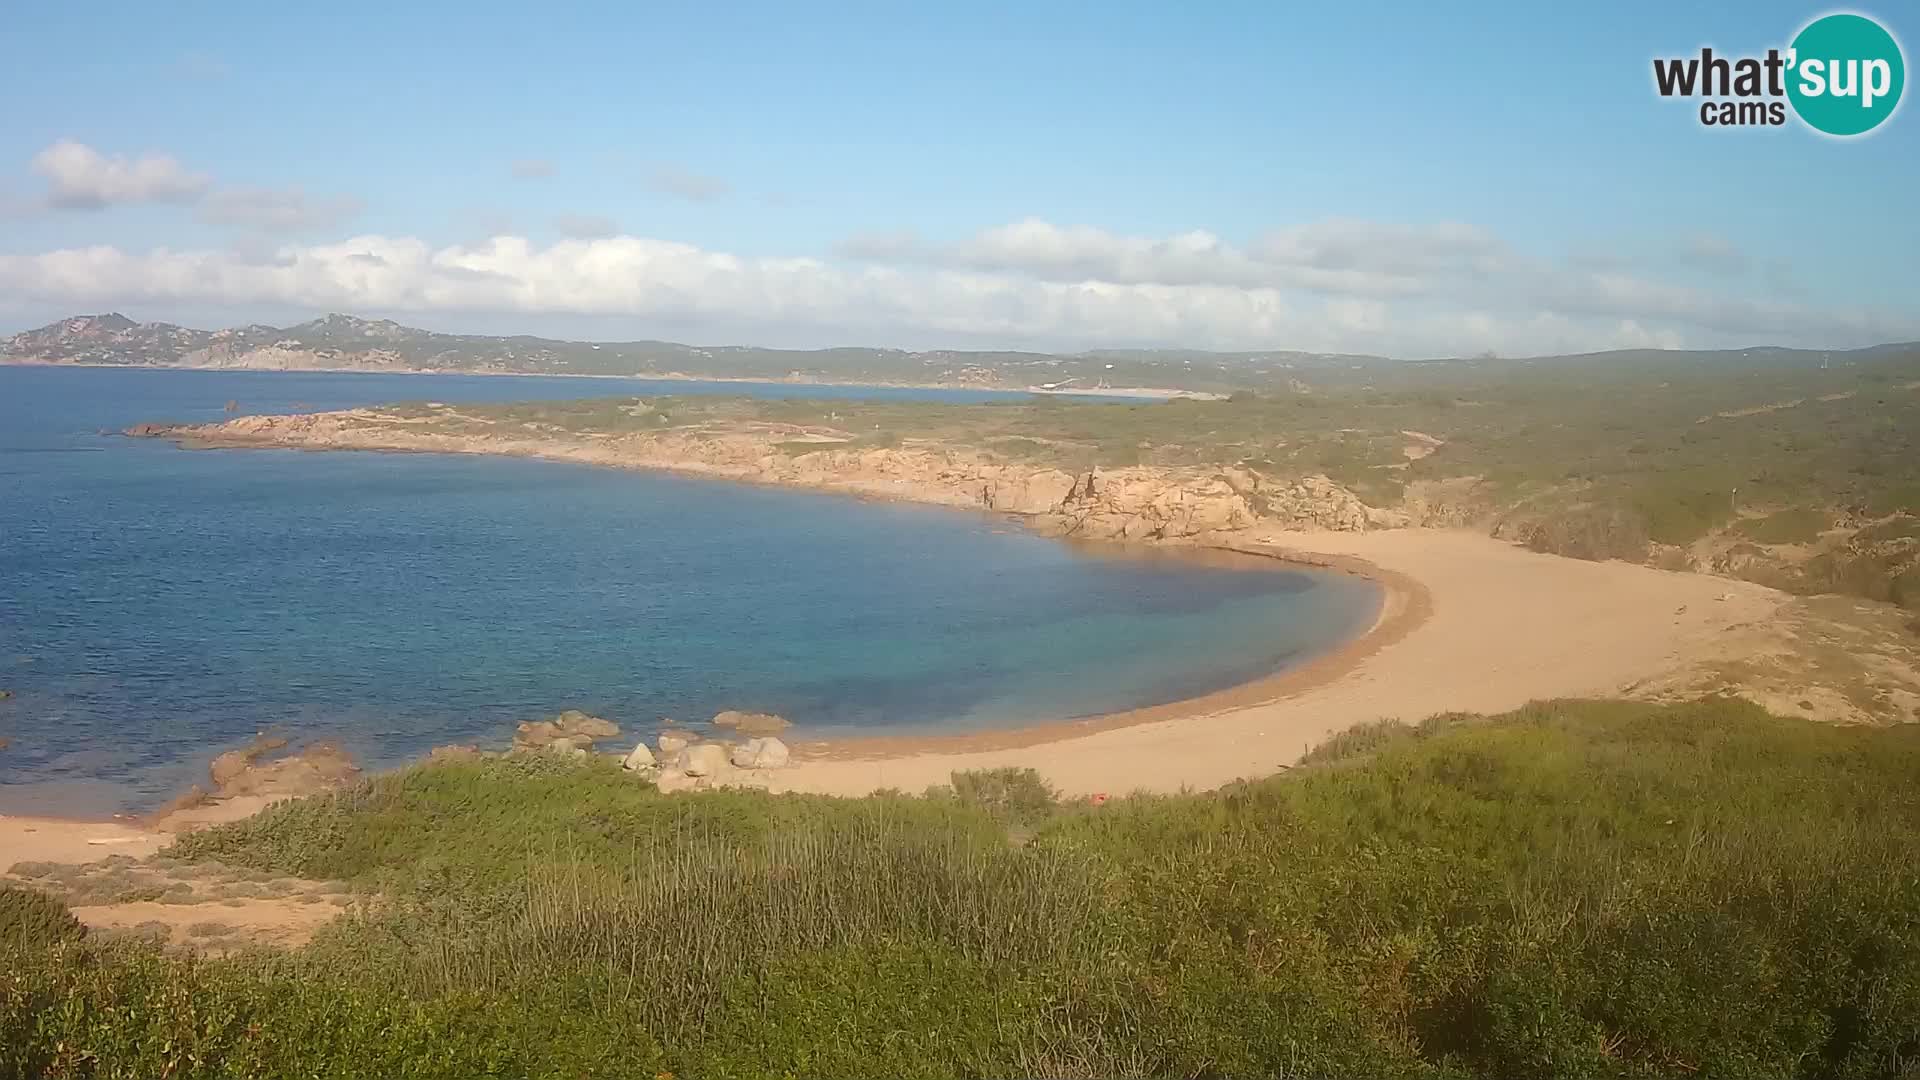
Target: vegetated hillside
{"type": "Point", "coordinates": [345, 341]}
{"type": "Point", "coordinates": [1804, 479]}
{"type": "Point", "coordinates": [1572, 890]}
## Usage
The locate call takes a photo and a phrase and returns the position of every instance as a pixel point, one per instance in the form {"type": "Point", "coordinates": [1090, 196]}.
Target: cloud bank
{"type": "Point", "coordinates": [1334, 287]}
{"type": "Point", "coordinates": [1339, 285]}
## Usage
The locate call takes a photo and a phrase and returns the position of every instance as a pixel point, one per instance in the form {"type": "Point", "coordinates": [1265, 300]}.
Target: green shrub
{"type": "Point", "coordinates": [1016, 796]}
{"type": "Point", "coordinates": [1797, 526]}
{"type": "Point", "coordinates": [30, 919]}
{"type": "Point", "coordinates": [1681, 514]}
{"type": "Point", "coordinates": [1592, 532]}
{"type": "Point", "coordinates": [1358, 741]}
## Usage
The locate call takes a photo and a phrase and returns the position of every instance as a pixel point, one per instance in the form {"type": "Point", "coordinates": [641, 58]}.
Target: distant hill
{"type": "Point", "coordinates": [347, 342]}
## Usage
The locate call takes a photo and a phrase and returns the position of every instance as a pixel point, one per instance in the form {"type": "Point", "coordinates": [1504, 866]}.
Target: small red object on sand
{"type": "Point", "coordinates": [1097, 798]}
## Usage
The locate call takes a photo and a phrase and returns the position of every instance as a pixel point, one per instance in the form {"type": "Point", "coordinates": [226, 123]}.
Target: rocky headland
{"type": "Point", "coordinates": [1135, 503]}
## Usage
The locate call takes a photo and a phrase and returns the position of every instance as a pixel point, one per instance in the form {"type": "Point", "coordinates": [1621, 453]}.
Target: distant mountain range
{"type": "Point", "coordinates": [346, 342]}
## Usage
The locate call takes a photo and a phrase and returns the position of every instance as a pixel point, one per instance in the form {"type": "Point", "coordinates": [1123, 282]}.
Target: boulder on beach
{"type": "Point", "coordinates": [638, 758]}
{"type": "Point", "coordinates": [752, 723]}
{"type": "Point", "coordinates": [228, 766]}
{"type": "Point", "coordinates": [671, 781]}
{"type": "Point", "coordinates": [672, 742]}
{"type": "Point", "coordinates": [761, 753]}
{"type": "Point", "coordinates": [703, 759]}
{"type": "Point", "coordinates": [571, 747]}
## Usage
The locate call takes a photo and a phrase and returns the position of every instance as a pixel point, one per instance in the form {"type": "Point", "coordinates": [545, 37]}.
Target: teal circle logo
{"type": "Point", "coordinates": [1845, 74]}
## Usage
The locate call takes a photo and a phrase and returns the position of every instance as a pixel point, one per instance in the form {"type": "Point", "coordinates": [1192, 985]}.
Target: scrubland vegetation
{"type": "Point", "coordinates": [1577, 889]}
{"type": "Point", "coordinates": [1803, 478]}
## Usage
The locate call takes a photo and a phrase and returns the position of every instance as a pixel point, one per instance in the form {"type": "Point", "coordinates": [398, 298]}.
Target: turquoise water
{"type": "Point", "coordinates": [158, 605]}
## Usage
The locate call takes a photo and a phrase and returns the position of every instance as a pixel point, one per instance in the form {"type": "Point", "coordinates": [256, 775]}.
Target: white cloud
{"type": "Point", "coordinates": [684, 184]}
{"type": "Point", "coordinates": [81, 178]}
{"type": "Point", "coordinates": [1028, 285]}
{"type": "Point", "coordinates": [271, 210]}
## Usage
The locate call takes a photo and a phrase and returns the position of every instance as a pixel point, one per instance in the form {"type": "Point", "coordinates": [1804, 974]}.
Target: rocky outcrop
{"type": "Point", "coordinates": [1452, 503]}
{"type": "Point", "coordinates": [1042, 492]}
{"type": "Point", "coordinates": [746, 723]}
{"type": "Point", "coordinates": [568, 732]}
{"type": "Point", "coordinates": [1149, 504]}
{"type": "Point", "coordinates": [250, 771]}
{"type": "Point", "coordinates": [1134, 503]}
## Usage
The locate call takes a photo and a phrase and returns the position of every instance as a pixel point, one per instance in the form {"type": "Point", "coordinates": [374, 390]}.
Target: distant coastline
{"type": "Point", "coordinates": [1151, 393]}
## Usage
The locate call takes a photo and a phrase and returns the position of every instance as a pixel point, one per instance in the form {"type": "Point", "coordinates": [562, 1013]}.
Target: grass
{"type": "Point", "coordinates": [1581, 889]}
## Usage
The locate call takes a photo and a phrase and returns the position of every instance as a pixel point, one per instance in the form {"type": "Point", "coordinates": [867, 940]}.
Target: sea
{"type": "Point", "coordinates": [159, 605]}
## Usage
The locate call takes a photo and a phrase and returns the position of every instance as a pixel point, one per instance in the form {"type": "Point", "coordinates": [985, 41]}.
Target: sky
{"type": "Point", "coordinates": [1405, 179]}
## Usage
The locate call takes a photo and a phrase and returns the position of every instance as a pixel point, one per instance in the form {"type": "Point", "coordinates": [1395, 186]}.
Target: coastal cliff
{"type": "Point", "coordinates": [1128, 503]}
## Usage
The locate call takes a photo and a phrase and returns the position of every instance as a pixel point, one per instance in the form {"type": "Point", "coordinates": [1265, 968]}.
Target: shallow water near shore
{"type": "Point", "coordinates": [158, 604]}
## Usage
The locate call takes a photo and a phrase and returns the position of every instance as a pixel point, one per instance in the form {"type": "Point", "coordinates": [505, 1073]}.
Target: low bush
{"type": "Point", "coordinates": [1676, 514]}
{"type": "Point", "coordinates": [1801, 525]}
{"type": "Point", "coordinates": [1574, 889]}
{"type": "Point", "coordinates": [1014, 796]}
{"type": "Point", "coordinates": [30, 919]}
{"type": "Point", "coordinates": [1592, 532]}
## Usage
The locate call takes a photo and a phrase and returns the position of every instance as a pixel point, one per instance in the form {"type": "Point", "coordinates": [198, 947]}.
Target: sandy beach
{"type": "Point", "coordinates": [1467, 623]}
{"type": "Point", "coordinates": [1493, 627]}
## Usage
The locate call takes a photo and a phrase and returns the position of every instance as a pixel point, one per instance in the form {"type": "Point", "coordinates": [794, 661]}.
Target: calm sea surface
{"type": "Point", "coordinates": [158, 605]}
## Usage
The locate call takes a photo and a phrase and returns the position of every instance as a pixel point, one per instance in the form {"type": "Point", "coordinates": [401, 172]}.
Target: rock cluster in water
{"type": "Point", "coordinates": [571, 732]}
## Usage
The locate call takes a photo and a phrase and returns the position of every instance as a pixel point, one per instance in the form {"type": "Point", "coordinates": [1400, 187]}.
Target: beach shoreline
{"type": "Point", "coordinates": [1465, 623]}
{"type": "Point", "coordinates": [1470, 624]}
{"type": "Point", "coordinates": [1403, 605]}
{"type": "Point", "coordinates": [1544, 627]}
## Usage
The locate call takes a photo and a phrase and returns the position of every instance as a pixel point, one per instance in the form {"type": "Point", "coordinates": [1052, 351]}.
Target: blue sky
{"type": "Point", "coordinates": [1397, 178]}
